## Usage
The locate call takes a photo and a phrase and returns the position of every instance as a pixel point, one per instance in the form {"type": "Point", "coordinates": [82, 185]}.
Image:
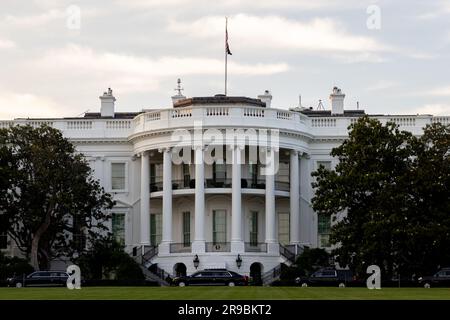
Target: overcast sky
{"type": "Point", "coordinates": [54, 64]}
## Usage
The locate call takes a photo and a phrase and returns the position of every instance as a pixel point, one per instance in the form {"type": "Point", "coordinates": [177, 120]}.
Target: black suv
{"type": "Point", "coordinates": [439, 279]}
{"type": "Point", "coordinates": [328, 277]}
{"type": "Point", "coordinates": [212, 277]}
{"type": "Point", "coordinates": [39, 278]}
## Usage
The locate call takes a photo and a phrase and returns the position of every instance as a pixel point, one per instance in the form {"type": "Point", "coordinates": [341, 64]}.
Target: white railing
{"type": "Point", "coordinates": [6, 124]}
{"type": "Point", "coordinates": [443, 120]}
{"type": "Point", "coordinates": [286, 115]}
{"type": "Point", "coordinates": [118, 124]}
{"type": "Point", "coordinates": [38, 123]}
{"type": "Point", "coordinates": [79, 125]}
{"type": "Point", "coordinates": [323, 122]}
{"type": "Point", "coordinates": [216, 111]}
{"type": "Point", "coordinates": [254, 112]}
{"type": "Point", "coordinates": [182, 113]}
{"type": "Point", "coordinates": [152, 116]}
{"type": "Point", "coordinates": [404, 121]}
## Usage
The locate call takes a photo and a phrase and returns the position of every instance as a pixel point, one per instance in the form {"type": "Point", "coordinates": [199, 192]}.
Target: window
{"type": "Point", "coordinates": [253, 170]}
{"type": "Point", "coordinates": [186, 229]}
{"type": "Point", "coordinates": [155, 229]}
{"type": "Point", "coordinates": [283, 227]}
{"type": "Point", "coordinates": [219, 171]}
{"type": "Point", "coordinates": [323, 230]}
{"type": "Point", "coordinates": [118, 176]}
{"type": "Point", "coordinates": [3, 240]}
{"type": "Point", "coordinates": [219, 226]}
{"type": "Point", "coordinates": [186, 175]}
{"type": "Point", "coordinates": [254, 228]}
{"type": "Point", "coordinates": [283, 172]}
{"type": "Point", "coordinates": [118, 227]}
{"type": "Point", "coordinates": [325, 164]}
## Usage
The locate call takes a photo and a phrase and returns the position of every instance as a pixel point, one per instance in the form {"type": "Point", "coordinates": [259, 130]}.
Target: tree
{"type": "Point", "coordinates": [311, 260]}
{"type": "Point", "coordinates": [51, 202]}
{"type": "Point", "coordinates": [106, 259]}
{"type": "Point", "coordinates": [392, 189]}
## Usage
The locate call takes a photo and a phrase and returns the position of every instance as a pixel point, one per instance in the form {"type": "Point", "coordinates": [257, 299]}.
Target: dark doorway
{"type": "Point", "coordinates": [179, 269]}
{"type": "Point", "coordinates": [256, 273]}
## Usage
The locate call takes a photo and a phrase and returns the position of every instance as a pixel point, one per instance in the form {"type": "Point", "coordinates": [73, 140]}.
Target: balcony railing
{"type": "Point", "coordinates": [218, 247]}
{"type": "Point", "coordinates": [180, 248]}
{"type": "Point", "coordinates": [255, 247]}
{"type": "Point", "coordinates": [220, 183]}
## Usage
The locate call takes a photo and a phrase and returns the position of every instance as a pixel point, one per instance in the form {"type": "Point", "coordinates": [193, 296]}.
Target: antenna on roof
{"type": "Point", "coordinates": [179, 88]}
{"type": "Point", "coordinates": [300, 101]}
{"type": "Point", "coordinates": [357, 105]}
{"type": "Point", "coordinates": [320, 106]}
{"type": "Point", "coordinates": [83, 113]}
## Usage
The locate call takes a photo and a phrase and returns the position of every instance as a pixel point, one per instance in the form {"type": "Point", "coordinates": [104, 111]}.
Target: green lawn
{"type": "Point", "coordinates": [221, 293]}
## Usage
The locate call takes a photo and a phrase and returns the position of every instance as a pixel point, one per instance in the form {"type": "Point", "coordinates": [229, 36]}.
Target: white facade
{"type": "Point", "coordinates": [215, 212]}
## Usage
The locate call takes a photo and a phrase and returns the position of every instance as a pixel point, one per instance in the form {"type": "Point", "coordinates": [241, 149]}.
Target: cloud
{"type": "Point", "coordinates": [24, 105]}
{"type": "Point", "coordinates": [382, 85]}
{"type": "Point", "coordinates": [136, 73]}
{"type": "Point", "coordinates": [241, 4]}
{"type": "Point", "coordinates": [436, 109]}
{"type": "Point", "coordinates": [440, 91]}
{"type": "Point", "coordinates": [249, 31]}
{"type": "Point", "coordinates": [7, 44]}
{"type": "Point", "coordinates": [28, 21]}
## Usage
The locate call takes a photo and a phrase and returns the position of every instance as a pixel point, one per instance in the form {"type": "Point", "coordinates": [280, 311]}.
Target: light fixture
{"type": "Point", "coordinates": [239, 261]}
{"type": "Point", "coordinates": [196, 261]}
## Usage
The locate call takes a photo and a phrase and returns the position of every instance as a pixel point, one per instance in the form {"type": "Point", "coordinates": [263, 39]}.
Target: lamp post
{"type": "Point", "coordinates": [239, 261]}
{"type": "Point", "coordinates": [196, 261]}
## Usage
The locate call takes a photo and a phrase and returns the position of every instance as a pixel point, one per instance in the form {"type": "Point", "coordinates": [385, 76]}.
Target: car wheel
{"type": "Point", "coordinates": [427, 285]}
{"type": "Point", "coordinates": [341, 285]}
{"type": "Point", "coordinates": [304, 285]}
{"type": "Point", "coordinates": [19, 285]}
{"type": "Point", "coordinates": [231, 284]}
{"type": "Point", "coordinates": [181, 284]}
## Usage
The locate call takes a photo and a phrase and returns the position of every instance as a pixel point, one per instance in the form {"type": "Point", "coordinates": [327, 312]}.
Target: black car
{"type": "Point", "coordinates": [39, 278]}
{"type": "Point", "coordinates": [329, 277]}
{"type": "Point", "coordinates": [439, 279]}
{"type": "Point", "coordinates": [212, 277]}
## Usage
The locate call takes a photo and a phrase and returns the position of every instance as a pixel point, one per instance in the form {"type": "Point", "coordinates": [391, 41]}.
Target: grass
{"type": "Point", "coordinates": [223, 293]}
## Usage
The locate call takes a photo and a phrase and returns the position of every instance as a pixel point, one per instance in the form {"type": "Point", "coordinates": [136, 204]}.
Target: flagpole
{"type": "Point", "coordinates": [226, 55]}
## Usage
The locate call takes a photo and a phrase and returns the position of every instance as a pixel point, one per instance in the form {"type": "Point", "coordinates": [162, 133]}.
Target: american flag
{"type": "Point", "coordinates": [227, 47]}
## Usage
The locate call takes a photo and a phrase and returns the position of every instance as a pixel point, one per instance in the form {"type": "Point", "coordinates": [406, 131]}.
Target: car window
{"type": "Point", "coordinates": [447, 273]}
{"type": "Point", "coordinates": [198, 275]}
{"type": "Point", "coordinates": [328, 273]}
{"type": "Point", "coordinates": [38, 274]}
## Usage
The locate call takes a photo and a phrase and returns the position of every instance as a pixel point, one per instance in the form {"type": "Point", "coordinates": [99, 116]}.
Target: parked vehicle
{"type": "Point", "coordinates": [329, 277]}
{"type": "Point", "coordinates": [439, 279]}
{"type": "Point", "coordinates": [39, 278]}
{"type": "Point", "coordinates": [212, 277]}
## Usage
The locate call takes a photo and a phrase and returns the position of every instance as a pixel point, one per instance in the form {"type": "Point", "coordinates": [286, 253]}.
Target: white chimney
{"type": "Point", "coordinates": [266, 97]}
{"type": "Point", "coordinates": [107, 104]}
{"type": "Point", "coordinates": [337, 101]}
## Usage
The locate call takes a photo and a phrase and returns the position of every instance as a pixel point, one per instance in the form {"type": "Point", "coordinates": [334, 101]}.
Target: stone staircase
{"type": "Point", "coordinates": [151, 271]}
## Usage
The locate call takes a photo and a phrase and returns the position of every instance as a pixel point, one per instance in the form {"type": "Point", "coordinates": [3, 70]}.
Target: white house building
{"type": "Point", "coordinates": [198, 214]}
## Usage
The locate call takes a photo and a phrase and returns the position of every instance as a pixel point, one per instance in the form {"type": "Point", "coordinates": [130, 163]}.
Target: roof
{"type": "Point", "coordinates": [327, 113]}
{"type": "Point", "coordinates": [117, 115]}
{"type": "Point", "coordinates": [219, 99]}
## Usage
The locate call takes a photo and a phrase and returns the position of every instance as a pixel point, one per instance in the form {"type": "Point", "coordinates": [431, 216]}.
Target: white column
{"type": "Point", "coordinates": [164, 247]}
{"type": "Point", "coordinates": [294, 194]}
{"type": "Point", "coordinates": [271, 232]}
{"type": "Point", "coordinates": [237, 245]}
{"type": "Point", "coordinates": [198, 246]}
{"type": "Point", "coordinates": [145, 199]}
